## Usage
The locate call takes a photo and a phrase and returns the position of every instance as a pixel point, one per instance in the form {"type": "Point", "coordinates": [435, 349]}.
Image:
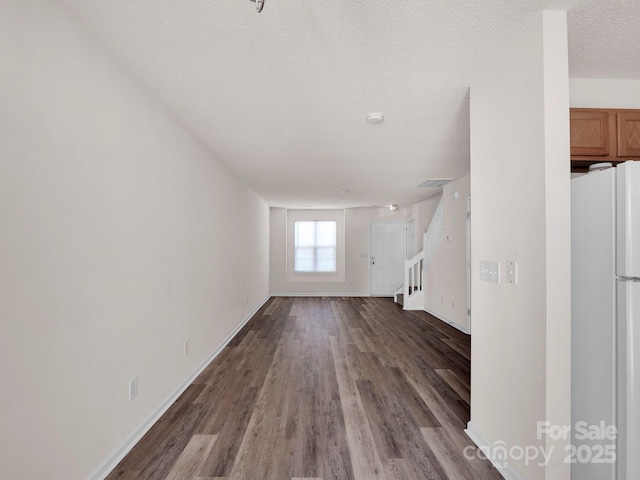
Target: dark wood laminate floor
{"type": "Point", "coordinates": [322, 388]}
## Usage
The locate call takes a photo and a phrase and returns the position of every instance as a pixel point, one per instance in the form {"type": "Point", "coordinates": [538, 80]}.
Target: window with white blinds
{"type": "Point", "coordinates": [315, 244]}
{"type": "Point", "coordinates": [315, 248]}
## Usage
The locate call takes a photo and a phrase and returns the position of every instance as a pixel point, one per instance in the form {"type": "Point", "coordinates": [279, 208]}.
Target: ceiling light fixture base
{"type": "Point", "coordinates": [375, 118]}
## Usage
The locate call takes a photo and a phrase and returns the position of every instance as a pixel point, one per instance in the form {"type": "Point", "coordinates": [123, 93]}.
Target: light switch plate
{"type": "Point", "coordinates": [133, 388]}
{"type": "Point", "coordinates": [512, 272]}
{"type": "Point", "coordinates": [490, 271]}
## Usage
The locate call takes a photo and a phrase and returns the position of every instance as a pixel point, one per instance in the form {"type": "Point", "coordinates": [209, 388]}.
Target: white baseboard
{"type": "Point", "coordinates": [413, 302]}
{"type": "Point", "coordinates": [508, 472]}
{"type": "Point", "coordinates": [102, 470]}
{"type": "Point", "coordinates": [447, 321]}
{"type": "Point", "coordinates": [320, 294]}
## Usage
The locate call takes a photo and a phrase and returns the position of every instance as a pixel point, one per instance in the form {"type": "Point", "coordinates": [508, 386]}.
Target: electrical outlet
{"type": "Point", "coordinates": [512, 272]}
{"type": "Point", "coordinates": [186, 348]}
{"type": "Point", "coordinates": [133, 388]}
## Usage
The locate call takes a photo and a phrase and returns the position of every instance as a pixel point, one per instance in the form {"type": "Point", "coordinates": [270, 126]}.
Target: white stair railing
{"type": "Point", "coordinates": [414, 268]}
{"type": "Point", "coordinates": [412, 278]}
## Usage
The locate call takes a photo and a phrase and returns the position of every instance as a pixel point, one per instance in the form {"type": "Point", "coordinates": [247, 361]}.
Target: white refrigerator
{"type": "Point", "coordinates": [605, 339]}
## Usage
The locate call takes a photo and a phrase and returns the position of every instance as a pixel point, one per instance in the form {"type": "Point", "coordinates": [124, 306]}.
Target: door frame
{"type": "Point", "coordinates": [468, 255]}
{"type": "Point", "coordinates": [404, 250]}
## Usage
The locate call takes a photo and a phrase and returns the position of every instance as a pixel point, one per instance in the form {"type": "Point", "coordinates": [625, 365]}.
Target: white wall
{"type": "Point", "coordinates": [445, 291]}
{"type": "Point", "coordinates": [356, 221]}
{"type": "Point", "coordinates": [604, 93]}
{"type": "Point", "coordinates": [121, 237]}
{"type": "Point", "coordinates": [521, 336]}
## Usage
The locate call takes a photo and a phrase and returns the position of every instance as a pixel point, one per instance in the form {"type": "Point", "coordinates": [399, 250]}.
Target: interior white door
{"type": "Point", "coordinates": [387, 247]}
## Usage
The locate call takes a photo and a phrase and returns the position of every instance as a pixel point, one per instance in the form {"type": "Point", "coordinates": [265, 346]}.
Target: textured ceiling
{"type": "Point", "coordinates": [604, 40]}
{"type": "Point", "coordinates": [282, 96]}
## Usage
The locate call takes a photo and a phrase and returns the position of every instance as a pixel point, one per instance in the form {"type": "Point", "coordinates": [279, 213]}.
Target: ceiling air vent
{"type": "Point", "coordinates": [435, 182]}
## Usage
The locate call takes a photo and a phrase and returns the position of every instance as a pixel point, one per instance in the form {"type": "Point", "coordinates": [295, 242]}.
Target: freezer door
{"type": "Point", "coordinates": [628, 219]}
{"type": "Point", "coordinates": [628, 380]}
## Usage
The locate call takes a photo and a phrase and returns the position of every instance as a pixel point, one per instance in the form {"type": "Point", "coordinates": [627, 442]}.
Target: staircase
{"type": "Point", "coordinates": [411, 295]}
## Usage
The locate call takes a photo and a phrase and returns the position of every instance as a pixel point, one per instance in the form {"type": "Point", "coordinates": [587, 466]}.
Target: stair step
{"type": "Point", "coordinates": [400, 300]}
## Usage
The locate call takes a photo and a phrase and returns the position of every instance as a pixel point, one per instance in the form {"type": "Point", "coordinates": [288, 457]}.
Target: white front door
{"type": "Point", "coordinates": [387, 257]}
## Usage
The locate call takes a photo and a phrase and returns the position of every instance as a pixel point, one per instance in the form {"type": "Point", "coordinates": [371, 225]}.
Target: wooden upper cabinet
{"type": "Point", "coordinates": [628, 127]}
{"type": "Point", "coordinates": [603, 135]}
{"type": "Point", "coordinates": [590, 132]}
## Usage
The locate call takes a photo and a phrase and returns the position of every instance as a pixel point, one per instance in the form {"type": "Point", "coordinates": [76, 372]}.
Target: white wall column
{"type": "Point", "coordinates": [521, 363]}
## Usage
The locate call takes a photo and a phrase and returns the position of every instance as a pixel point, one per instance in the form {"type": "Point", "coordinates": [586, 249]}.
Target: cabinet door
{"type": "Point", "coordinates": [629, 134]}
{"type": "Point", "coordinates": [589, 132]}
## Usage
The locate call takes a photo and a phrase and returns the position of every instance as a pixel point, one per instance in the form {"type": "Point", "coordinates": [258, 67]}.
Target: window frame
{"type": "Point", "coordinates": [296, 215]}
{"type": "Point", "coordinates": [315, 246]}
